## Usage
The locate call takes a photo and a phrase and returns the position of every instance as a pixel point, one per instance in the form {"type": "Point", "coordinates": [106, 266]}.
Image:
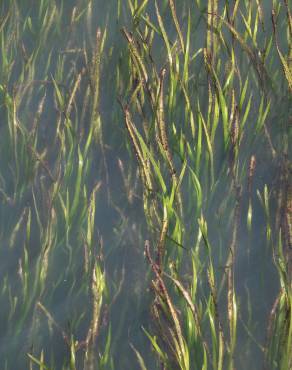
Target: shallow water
{"type": "Point", "coordinates": [120, 226]}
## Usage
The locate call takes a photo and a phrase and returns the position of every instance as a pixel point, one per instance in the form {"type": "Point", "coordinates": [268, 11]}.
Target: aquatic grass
{"type": "Point", "coordinates": [51, 193]}
{"type": "Point", "coordinates": [235, 108]}
{"type": "Point", "coordinates": [200, 87]}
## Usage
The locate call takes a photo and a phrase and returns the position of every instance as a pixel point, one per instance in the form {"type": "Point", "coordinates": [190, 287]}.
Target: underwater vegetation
{"type": "Point", "coordinates": [145, 185]}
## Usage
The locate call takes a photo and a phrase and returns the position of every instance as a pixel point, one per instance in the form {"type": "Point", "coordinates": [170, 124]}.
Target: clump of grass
{"type": "Point", "coordinates": [195, 154]}
{"type": "Point", "coordinates": [48, 191]}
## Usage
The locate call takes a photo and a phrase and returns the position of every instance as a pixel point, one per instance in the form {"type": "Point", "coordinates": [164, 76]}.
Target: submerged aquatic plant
{"type": "Point", "coordinates": [200, 129]}
{"type": "Point", "coordinates": [176, 131]}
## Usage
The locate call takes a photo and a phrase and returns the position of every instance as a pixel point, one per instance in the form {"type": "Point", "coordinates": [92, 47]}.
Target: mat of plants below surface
{"type": "Point", "coordinates": [145, 185]}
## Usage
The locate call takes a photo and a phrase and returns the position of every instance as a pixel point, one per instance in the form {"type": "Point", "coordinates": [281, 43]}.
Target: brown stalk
{"type": "Point", "coordinates": [135, 54]}
{"type": "Point", "coordinates": [144, 171]}
{"type": "Point", "coordinates": [177, 26]}
{"type": "Point", "coordinates": [161, 244]}
{"type": "Point", "coordinates": [193, 308]}
{"type": "Point", "coordinates": [43, 163]}
{"type": "Point", "coordinates": [164, 293]}
{"type": "Point", "coordinates": [215, 302]}
{"type": "Point", "coordinates": [162, 126]}
{"type": "Point", "coordinates": [163, 137]}
{"type": "Point", "coordinates": [212, 25]}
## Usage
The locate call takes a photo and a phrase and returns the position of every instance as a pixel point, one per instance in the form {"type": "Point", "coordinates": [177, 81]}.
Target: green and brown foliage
{"type": "Point", "coordinates": [155, 127]}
